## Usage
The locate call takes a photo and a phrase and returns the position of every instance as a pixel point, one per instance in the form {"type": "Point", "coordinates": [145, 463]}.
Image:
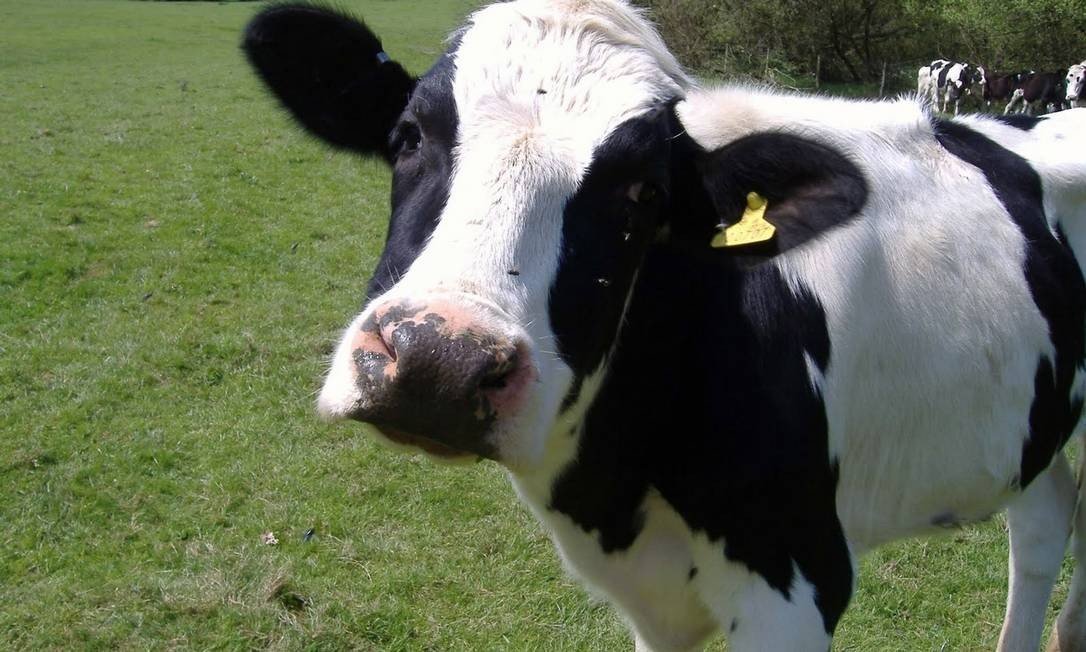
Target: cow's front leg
{"type": "Point", "coordinates": [642, 645]}
{"type": "Point", "coordinates": [756, 616]}
{"type": "Point", "coordinates": [762, 618]}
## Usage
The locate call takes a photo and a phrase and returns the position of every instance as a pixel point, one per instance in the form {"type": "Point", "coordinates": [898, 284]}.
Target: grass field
{"type": "Point", "coordinates": [175, 262]}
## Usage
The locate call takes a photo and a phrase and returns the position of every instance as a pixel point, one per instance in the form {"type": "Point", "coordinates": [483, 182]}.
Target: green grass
{"type": "Point", "coordinates": [175, 262]}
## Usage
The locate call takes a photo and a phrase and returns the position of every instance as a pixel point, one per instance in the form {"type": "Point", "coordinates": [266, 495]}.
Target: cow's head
{"type": "Point", "coordinates": [530, 165]}
{"type": "Point", "coordinates": [980, 81]}
{"type": "Point", "coordinates": [1074, 82]}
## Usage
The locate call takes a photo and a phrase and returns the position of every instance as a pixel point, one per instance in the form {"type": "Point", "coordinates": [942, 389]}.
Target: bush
{"type": "Point", "coordinates": [789, 41]}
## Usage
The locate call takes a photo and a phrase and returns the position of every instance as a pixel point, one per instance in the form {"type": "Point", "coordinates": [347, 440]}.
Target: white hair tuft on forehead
{"type": "Point", "coordinates": [613, 21]}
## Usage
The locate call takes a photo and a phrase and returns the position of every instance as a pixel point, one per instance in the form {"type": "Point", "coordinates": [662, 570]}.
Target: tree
{"type": "Point", "coordinates": [855, 38]}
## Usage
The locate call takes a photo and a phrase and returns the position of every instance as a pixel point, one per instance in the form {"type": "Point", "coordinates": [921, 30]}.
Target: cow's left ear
{"type": "Point", "coordinates": [331, 72]}
{"type": "Point", "coordinates": [809, 188]}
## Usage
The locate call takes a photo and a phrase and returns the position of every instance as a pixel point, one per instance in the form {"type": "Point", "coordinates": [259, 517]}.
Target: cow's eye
{"type": "Point", "coordinates": [642, 192]}
{"type": "Point", "coordinates": [410, 138]}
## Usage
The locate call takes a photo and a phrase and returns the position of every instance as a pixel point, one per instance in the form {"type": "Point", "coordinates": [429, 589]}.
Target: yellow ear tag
{"type": "Point", "coordinates": [751, 228]}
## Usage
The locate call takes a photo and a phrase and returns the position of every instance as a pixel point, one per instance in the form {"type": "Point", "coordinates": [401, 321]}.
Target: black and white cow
{"type": "Point", "coordinates": [710, 434]}
{"type": "Point", "coordinates": [977, 82]}
{"type": "Point", "coordinates": [962, 80]}
{"type": "Point", "coordinates": [927, 80]}
{"type": "Point", "coordinates": [946, 83]}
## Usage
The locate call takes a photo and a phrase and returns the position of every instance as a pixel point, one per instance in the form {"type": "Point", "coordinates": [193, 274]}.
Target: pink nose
{"type": "Point", "coordinates": [432, 371]}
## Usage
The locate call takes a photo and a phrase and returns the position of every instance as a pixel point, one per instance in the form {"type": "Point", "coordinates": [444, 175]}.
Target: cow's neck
{"type": "Point", "coordinates": [689, 386]}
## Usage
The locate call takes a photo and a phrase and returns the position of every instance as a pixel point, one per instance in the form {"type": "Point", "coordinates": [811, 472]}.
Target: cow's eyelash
{"type": "Point", "coordinates": [407, 137]}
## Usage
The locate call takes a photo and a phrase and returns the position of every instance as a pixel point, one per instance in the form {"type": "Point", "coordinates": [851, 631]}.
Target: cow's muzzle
{"type": "Point", "coordinates": [431, 375]}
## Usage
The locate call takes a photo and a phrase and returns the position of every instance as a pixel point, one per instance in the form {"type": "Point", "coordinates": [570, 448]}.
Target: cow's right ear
{"type": "Point", "coordinates": [808, 189]}
{"type": "Point", "coordinates": [331, 72]}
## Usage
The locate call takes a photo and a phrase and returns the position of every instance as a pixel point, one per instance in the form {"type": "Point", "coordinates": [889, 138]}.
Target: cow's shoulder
{"type": "Point", "coordinates": [708, 419]}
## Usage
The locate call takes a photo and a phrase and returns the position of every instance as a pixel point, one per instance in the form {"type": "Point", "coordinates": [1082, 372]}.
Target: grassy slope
{"type": "Point", "coordinates": [175, 260]}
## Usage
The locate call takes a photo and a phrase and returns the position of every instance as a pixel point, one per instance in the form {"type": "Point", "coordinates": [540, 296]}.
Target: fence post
{"type": "Point", "coordinates": [882, 82]}
{"type": "Point", "coordinates": [818, 72]}
{"type": "Point", "coordinates": [765, 75]}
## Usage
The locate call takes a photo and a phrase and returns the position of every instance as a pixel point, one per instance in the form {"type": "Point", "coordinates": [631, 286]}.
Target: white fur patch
{"type": "Point", "coordinates": [340, 393]}
{"type": "Point", "coordinates": [650, 582]}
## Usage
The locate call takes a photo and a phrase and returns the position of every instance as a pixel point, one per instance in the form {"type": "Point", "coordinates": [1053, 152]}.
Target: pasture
{"type": "Point", "coordinates": [176, 260]}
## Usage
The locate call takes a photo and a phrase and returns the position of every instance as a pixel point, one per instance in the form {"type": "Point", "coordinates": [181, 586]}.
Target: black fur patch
{"type": "Point", "coordinates": [420, 176]}
{"type": "Point", "coordinates": [604, 236]}
{"type": "Point", "coordinates": [1055, 282]}
{"type": "Point", "coordinates": [708, 401]}
{"type": "Point", "coordinates": [1023, 122]}
{"type": "Point", "coordinates": [942, 71]}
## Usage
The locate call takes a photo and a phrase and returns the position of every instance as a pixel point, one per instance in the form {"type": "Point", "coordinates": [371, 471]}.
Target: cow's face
{"type": "Point", "coordinates": [530, 166]}
{"type": "Point", "coordinates": [1074, 82]}
{"type": "Point", "coordinates": [980, 80]}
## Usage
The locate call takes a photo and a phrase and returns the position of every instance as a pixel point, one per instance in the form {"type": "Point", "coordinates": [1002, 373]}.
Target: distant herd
{"type": "Point", "coordinates": [948, 83]}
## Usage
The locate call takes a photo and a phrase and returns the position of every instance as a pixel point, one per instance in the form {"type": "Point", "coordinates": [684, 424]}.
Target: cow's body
{"type": "Point", "coordinates": [711, 436]}
{"type": "Point", "coordinates": [928, 80]}
{"type": "Point", "coordinates": [847, 327]}
{"type": "Point", "coordinates": [1040, 93]}
{"type": "Point", "coordinates": [1000, 87]}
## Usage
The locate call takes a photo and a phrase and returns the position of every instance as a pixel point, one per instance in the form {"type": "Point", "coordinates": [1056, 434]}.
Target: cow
{"type": "Point", "coordinates": [724, 340]}
{"type": "Point", "coordinates": [1074, 84]}
{"type": "Point", "coordinates": [948, 82]}
{"type": "Point", "coordinates": [962, 80]}
{"type": "Point", "coordinates": [978, 82]}
{"type": "Point", "coordinates": [1040, 93]}
{"type": "Point", "coordinates": [1000, 87]}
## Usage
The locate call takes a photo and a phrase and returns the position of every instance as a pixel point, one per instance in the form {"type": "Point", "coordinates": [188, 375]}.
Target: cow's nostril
{"type": "Point", "coordinates": [389, 347]}
{"type": "Point", "coordinates": [494, 382]}
{"type": "Point", "coordinates": [391, 340]}
{"type": "Point", "coordinates": [496, 378]}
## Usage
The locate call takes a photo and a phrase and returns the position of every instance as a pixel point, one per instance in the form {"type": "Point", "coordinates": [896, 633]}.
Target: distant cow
{"type": "Point", "coordinates": [977, 82]}
{"type": "Point", "coordinates": [1075, 85]}
{"type": "Point", "coordinates": [724, 340]}
{"type": "Point", "coordinates": [1000, 87]}
{"type": "Point", "coordinates": [1040, 93]}
{"type": "Point", "coordinates": [927, 80]}
{"type": "Point", "coordinates": [948, 82]}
